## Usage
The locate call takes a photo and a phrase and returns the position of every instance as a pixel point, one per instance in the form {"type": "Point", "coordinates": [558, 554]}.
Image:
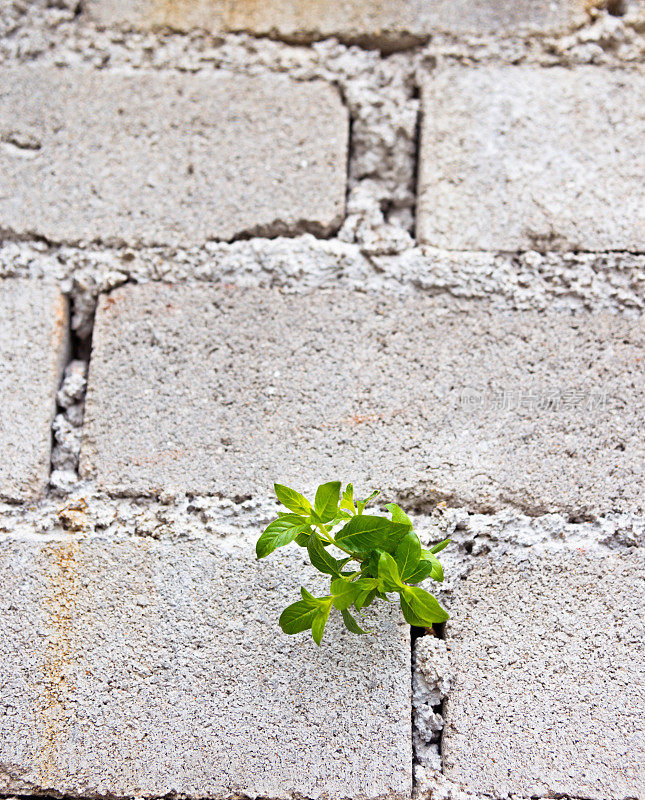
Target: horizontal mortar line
{"type": "Point", "coordinates": [52, 502]}
{"type": "Point", "coordinates": [424, 247]}
{"type": "Point", "coordinates": [50, 794]}
{"type": "Point", "coordinates": [246, 534]}
{"type": "Point", "coordinates": [391, 45]}
{"type": "Point", "coordinates": [107, 245]}
{"type": "Point", "coordinates": [241, 537]}
{"type": "Point", "coordinates": [426, 250]}
{"type": "Point", "coordinates": [251, 69]}
{"type": "Point", "coordinates": [462, 59]}
{"type": "Point", "coordinates": [416, 505]}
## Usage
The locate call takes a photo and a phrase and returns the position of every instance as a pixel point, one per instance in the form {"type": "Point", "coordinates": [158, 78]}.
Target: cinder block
{"type": "Point", "coordinates": [222, 390]}
{"type": "Point", "coordinates": [391, 24]}
{"type": "Point", "coordinates": [143, 668]}
{"type": "Point", "coordinates": [33, 353]}
{"type": "Point", "coordinates": [549, 675]}
{"type": "Point", "coordinates": [521, 158]}
{"type": "Point", "coordinates": [168, 158]}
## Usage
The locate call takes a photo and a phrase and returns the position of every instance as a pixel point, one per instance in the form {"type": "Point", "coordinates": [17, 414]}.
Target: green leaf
{"type": "Point", "coordinates": [398, 514]}
{"type": "Point", "coordinates": [364, 599]}
{"type": "Point", "coordinates": [408, 554]}
{"type": "Point", "coordinates": [431, 558]}
{"type": "Point", "coordinates": [319, 622]}
{"type": "Point", "coordinates": [326, 502]}
{"type": "Point", "coordinates": [350, 622]}
{"type": "Point", "coordinates": [437, 548]}
{"type": "Point", "coordinates": [347, 501]}
{"type": "Point", "coordinates": [423, 570]}
{"type": "Point", "coordinates": [302, 538]}
{"type": "Point", "coordinates": [421, 607]}
{"type": "Point", "coordinates": [409, 616]}
{"type": "Point", "coordinates": [293, 500]}
{"type": "Point", "coordinates": [364, 533]}
{"type": "Point", "coordinates": [278, 533]}
{"type": "Point", "coordinates": [436, 573]}
{"type": "Point", "coordinates": [321, 559]}
{"type": "Point", "coordinates": [345, 592]}
{"type": "Point", "coordinates": [298, 617]}
{"type": "Point", "coordinates": [388, 573]}
{"type": "Point", "coordinates": [314, 602]}
{"type": "Point", "coordinates": [370, 564]}
{"type": "Point", "coordinates": [362, 503]}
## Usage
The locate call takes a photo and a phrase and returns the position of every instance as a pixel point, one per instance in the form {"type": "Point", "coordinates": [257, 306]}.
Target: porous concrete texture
{"type": "Point", "coordinates": [168, 159]}
{"type": "Point", "coordinates": [391, 24]}
{"type": "Point", "coordinates": [549, 677]}
{"type": "Point", "coordinates": [511, 159]}
{"type": "Point", "coordinates": [223, 390]}
{"type": "Point", "coordinates": [138, 667]}
{"type": "Point", "coordinates": [33, 352]}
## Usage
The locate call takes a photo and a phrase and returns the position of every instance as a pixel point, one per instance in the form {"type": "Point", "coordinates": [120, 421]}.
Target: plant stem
{"type": "Point", "coordinates": [331, 540]}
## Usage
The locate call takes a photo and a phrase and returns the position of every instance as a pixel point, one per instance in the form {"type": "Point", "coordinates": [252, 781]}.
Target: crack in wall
{"type": "Point", "coordinates": [67, 425]}
{"type": "Point", "coordinates": [431, 683]}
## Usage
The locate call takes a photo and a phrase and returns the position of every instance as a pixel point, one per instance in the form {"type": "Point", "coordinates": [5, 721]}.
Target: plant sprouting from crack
{"type": "Point", "coordinates": [379, 556]}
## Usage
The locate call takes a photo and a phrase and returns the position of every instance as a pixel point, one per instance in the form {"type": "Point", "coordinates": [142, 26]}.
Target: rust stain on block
{"type": "Point", "coordinates": [60, 603]}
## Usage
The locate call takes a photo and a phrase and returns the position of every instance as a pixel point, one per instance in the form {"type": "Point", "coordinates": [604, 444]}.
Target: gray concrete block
{"type": "Point", "coordinates": [33, 352]}
{"type": "Point", "coordinates": [222, 390]}
{"type": "Point", "coordinates": [168, 158]}
{"type": "Point", "coordinates": [549, 675]}
{"type": "Point", "coordinates": [517, 158]}
{"type": "Point", "coordinates": [136, 667]}
{"type": "Point", "coordinates": [391, 24]}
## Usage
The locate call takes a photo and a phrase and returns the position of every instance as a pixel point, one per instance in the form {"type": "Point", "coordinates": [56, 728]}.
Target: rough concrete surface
{"type": "Point", "coordinates": [33, 351]}
{"type": "Point", "coordinates": [223, 391]}
{"type": "Point", "coordinates": [168, 159]}
{"type": "Point", "coordinates": [549, 680]}
{"type": "Point", "coordinates": [390, 24]}
{"type": "Point", "coordinates": [522, 158]}
{"type": "Point", "coordinates": [134, 667]}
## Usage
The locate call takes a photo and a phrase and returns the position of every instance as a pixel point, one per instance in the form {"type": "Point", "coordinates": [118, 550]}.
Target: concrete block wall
{"type": "Point", "coordinates": [399, 243]}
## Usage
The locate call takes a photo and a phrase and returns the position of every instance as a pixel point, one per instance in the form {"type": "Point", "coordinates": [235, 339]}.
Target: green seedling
{"type": "Point", "coordinates": [367, 558]}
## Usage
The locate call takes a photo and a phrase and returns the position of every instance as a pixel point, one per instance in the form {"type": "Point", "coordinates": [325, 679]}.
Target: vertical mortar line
{"type": "Point", "coordinates": [79, 349]}
{"type": "Point", "coordinates": [415, 633]}
{"type": "Point", "coordinates": [350, 144]}
{"type": "Point", "coordinates": [416, 95]}
{"type": "Point", "coordinates": [439, 629]}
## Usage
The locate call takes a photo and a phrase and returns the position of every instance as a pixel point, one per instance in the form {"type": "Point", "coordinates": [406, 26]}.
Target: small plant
{"type": "Point", "coordinates": [380, 556]}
